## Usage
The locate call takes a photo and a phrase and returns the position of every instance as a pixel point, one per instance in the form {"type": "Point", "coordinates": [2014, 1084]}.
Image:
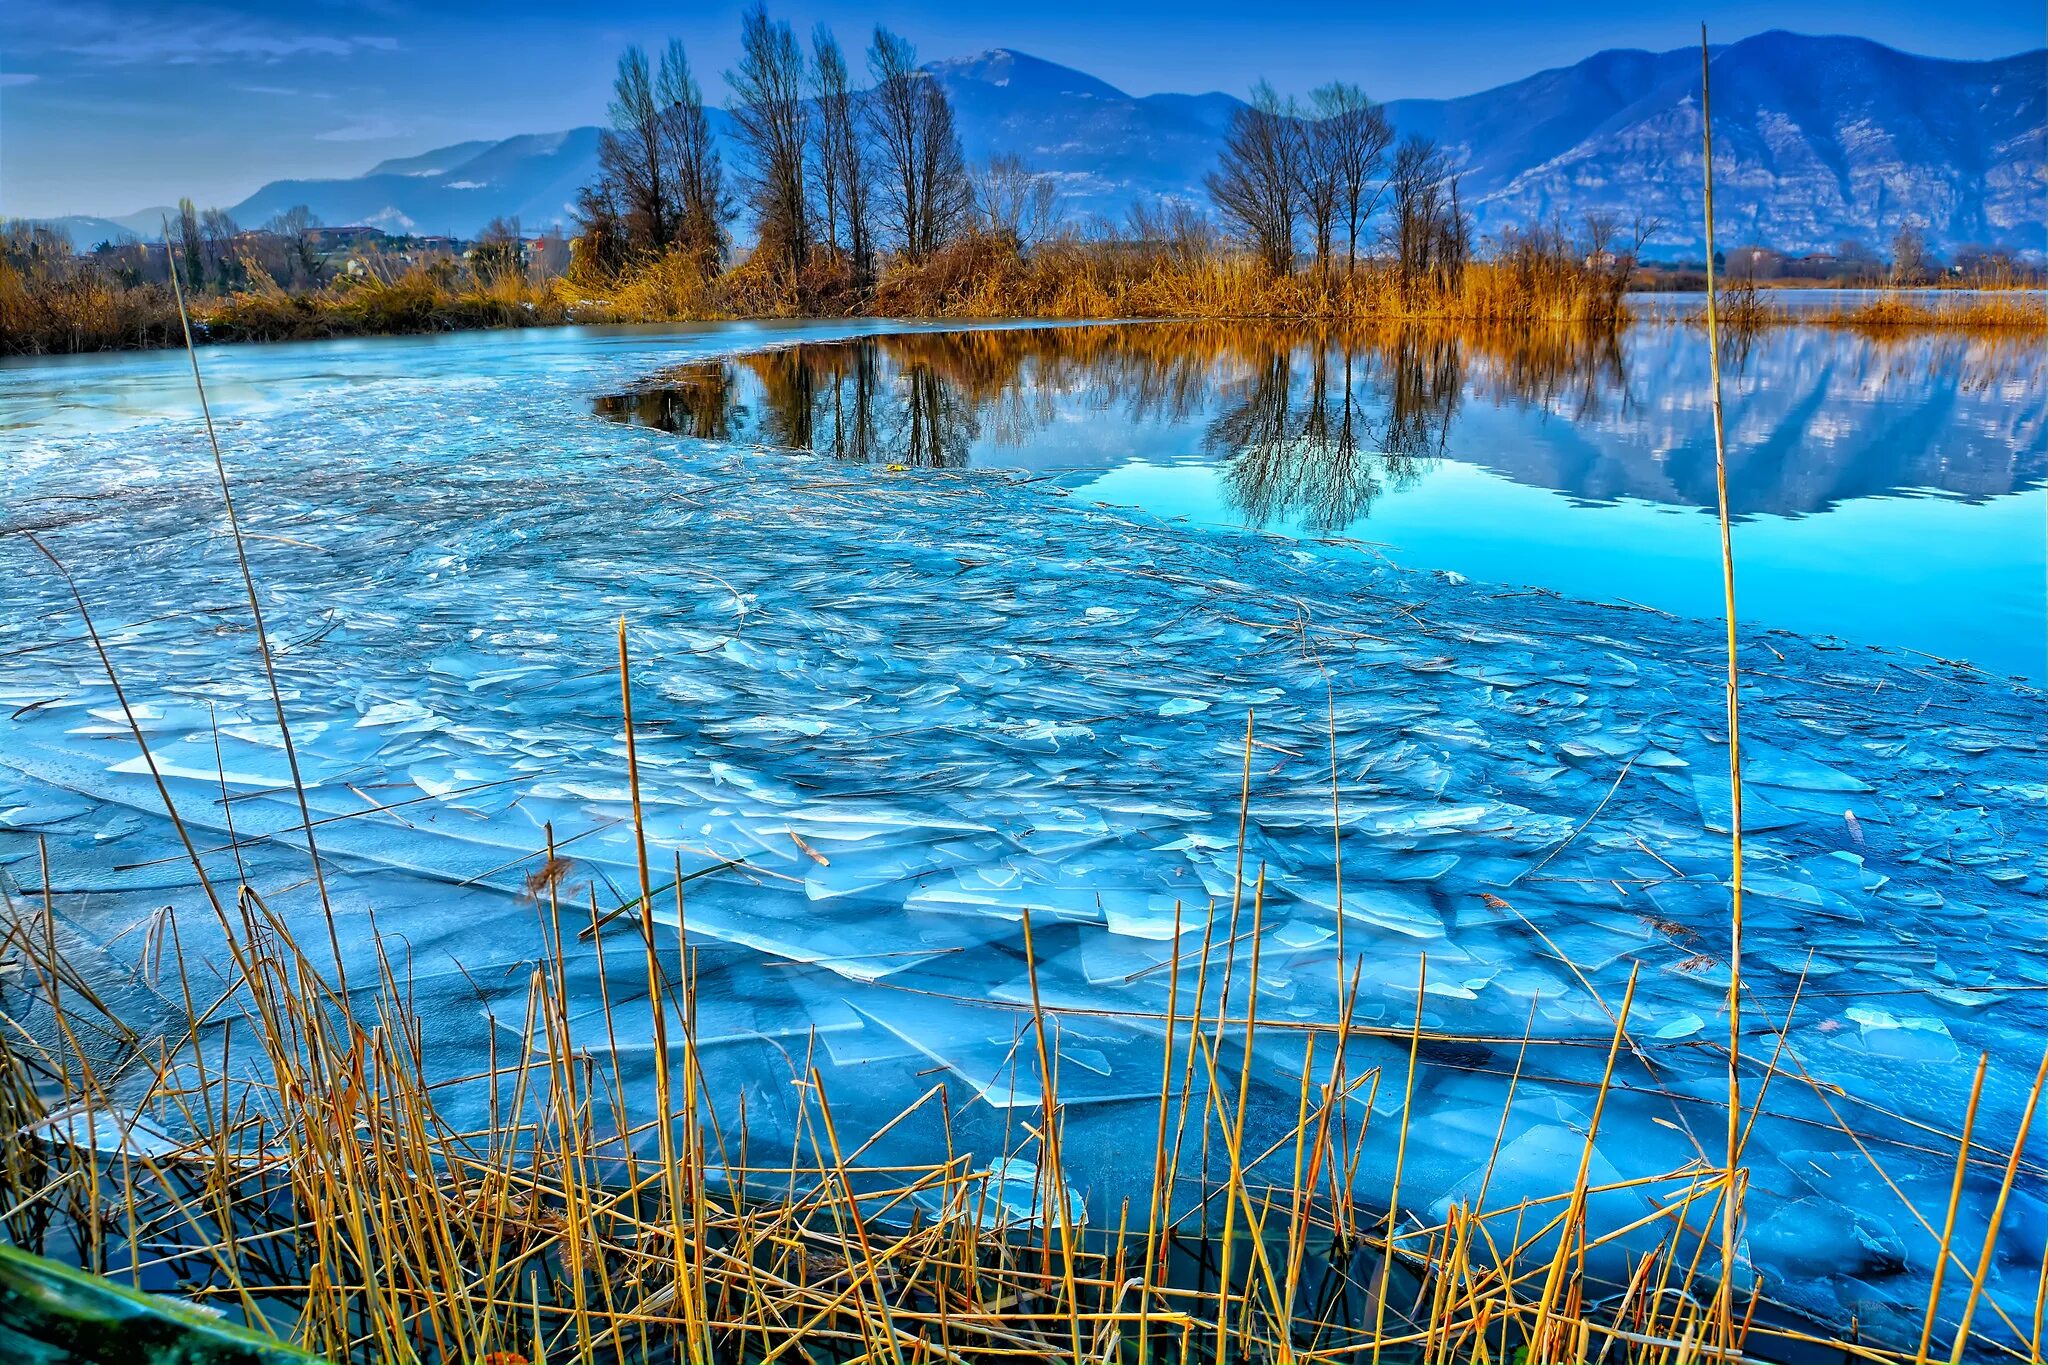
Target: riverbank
{"type": "Point", "coordinates": [81, 309]}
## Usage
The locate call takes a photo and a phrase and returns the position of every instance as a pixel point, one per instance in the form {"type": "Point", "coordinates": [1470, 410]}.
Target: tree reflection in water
{"type": "Point", "coordinates": [1310, 427]}
{"type": "Point", "coordinates": [1319, 448]}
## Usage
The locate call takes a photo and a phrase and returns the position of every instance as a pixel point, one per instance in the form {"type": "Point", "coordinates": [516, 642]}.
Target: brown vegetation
{"type": "Point", "coordinates": [1991, 310]}
{"type": "Point", "coordinates": [2010, 308]}
{"type": "Point", "coordinates": [46, 310]}
{"type": "Point", "coordinates": [987, 275]}
{"type": "Point", "coordinates": [1162, 267]}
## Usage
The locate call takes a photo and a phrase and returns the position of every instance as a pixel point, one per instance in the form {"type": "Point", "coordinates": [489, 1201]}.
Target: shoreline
{"type": "Point", "coordinates": [413, 307]}
{"type": "Point", "coordinates": [1799, 318]}
{"type": "Point", "coordinates": [741, 343]}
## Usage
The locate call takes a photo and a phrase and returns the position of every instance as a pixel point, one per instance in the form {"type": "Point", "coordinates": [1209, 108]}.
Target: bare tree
{"type": "Point", "coordinates": [923, 189]}
{"type": "Point", "coordinates": [500, 252]}
{"type": "Point", "coordinates": [1909, 256]}
{"type": "Point", "coordinates": [603, 242]}
{"type": "Point", "coordinates": [1012, 201]}
{"type": "Point", "coordinates": [1859, 263]}
{"type": "Point", "coordinates": [1257, 183]}
{"type": "Point", "coordinates": [1352, 134]}
{"type": "Point", "coordinates": [771, 121]}
{"type": "Point", "coordinates": [218, 231]}
{"type": "Point", "coordinates": [1174, 230]}
{"type": "Point", "coordinates": [1453, 237]}
{"type": "Point", "coordinates": [295, 228]}
{"type": "Point", "coordinates": [831, 94]}
{"type": "Point", "coordinates": [702, 208]}
{"type": "Point", "coordinates": [632, 155]}
{"type": "Point", "coordinates": [1412, 182]}
{"type": "Point", "coordinates": [1319, 191]}
{"type": "Point", "coordinates": [1609, 252]}
{"type": "Point", "coordinates": [1430, 236]}
{"type": "Point", "coordinates": [183, 238]}
{"type": "Point", "coordinates": [842, 153]}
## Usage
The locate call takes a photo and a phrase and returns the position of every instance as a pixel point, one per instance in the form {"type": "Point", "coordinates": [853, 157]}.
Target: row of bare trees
{"type": "Point", "coordinates": [212, 252]}
{"type": "Point", "coordinates": [215, 254]}
{"type": "Point", "coordinates": [824, 170]}
{"type": "Point", "coordinates": [1319, 172]}
{"type": "Point", "coordinates": [660, 182]}
{"type": "Point", "coordinates": [834, 175]}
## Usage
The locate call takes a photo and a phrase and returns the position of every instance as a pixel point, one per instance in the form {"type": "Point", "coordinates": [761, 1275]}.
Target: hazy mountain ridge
{"type": "Point", "coordinates": [1818, 139]}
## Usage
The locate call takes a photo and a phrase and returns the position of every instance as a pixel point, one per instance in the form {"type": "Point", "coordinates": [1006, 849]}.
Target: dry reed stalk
{"type": "Point", "coordinates": [1955, 1199]}
{"type": "Point", "coordinates": [1731, 1199]}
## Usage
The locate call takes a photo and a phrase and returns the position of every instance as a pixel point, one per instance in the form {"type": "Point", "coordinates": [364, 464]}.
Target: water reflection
{"type": "Point", "coordinates": [1310, 429]}
{"type": "Point", "coordinates": [1355, 431]}
{"type": "Point", "coordinates": [1880, 481]}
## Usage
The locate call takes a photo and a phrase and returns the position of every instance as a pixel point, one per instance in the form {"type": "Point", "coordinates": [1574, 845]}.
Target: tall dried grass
{"type": "Point", "coordinates": [419, 300]}
{"type": "Point", "coordinates": [61, 312]}
{"type": "Point", "coordinates": [335, 1202]}
{"type": "Point", "coordinates": [973, 277]}
{"type": "Point", "coordinates": [981, 277]}
{"type": "Point", "coordinates": [1745, 309]}
{"type": "Point", "coordinates": [1986, 310]}
{"type": "Point", "coordinates": [81, 308]}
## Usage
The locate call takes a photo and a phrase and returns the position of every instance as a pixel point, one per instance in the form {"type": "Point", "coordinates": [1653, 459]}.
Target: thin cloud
{"type": "Point", "coordinates": [110, 35]}
{"type": "Point", "coordinates": [374, 128]}
{"type": "Point", "coordinates": [289, 92]}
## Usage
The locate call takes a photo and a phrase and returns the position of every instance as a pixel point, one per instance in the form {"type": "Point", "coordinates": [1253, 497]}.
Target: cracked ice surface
{"type": "Point", "coordinates": [912, 706]}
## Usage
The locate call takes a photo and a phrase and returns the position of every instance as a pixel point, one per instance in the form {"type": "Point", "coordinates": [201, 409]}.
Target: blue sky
{"type": "Point", "coordinates": [107, 106]}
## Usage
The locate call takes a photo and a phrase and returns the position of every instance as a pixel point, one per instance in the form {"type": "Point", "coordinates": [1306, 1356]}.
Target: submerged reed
{"type": "Point", "coordinates": [1745, 308]}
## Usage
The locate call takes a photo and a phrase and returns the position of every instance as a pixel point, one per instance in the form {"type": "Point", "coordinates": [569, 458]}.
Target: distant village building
{"type": "Point", "coordinates": [341, 236]}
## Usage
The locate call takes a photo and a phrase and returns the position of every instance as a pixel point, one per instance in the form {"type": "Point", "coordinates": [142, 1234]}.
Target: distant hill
{"type": "Point", "coordinates": [1817, 140]}
{"type": "Point", "coordinates": [87, 232]}
{"type": "Point", "coordinates": [452, 190]}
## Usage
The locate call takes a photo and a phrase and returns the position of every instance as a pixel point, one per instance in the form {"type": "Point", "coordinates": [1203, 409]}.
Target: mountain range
{"type": "Point", "coordinates": [1818, 140]}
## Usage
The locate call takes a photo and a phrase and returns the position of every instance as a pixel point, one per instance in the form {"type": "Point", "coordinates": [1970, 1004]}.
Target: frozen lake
{"type": "Point", "coordinates": [998, 654]}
